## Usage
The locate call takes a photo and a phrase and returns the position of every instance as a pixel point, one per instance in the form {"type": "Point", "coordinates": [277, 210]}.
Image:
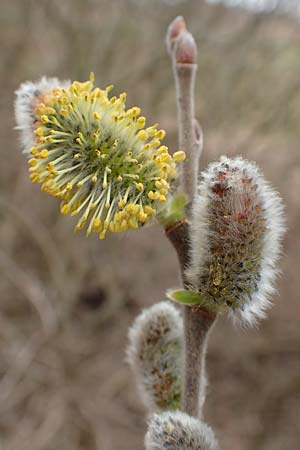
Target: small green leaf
{"type": "Point", "coordinates": [185, 297]}
{"type": "Point", "coordinates": [193, 298]}
{"type": "Point", "coordinates": [179, 202]}
{"type": "Point", "coordinates": [175, 212]}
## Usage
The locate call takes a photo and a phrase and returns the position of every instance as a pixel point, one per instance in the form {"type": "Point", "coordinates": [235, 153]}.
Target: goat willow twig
{"type": "Point", "coordinates": [183, 52]}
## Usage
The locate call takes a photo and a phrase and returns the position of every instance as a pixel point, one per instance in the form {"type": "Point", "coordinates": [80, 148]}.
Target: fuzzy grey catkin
{"type": "Point", "coordinates": [237, 227]}
{"type": "Point", "coordinates": [155, 356]}
{"type": "Point", "coordinates": [179, 431]}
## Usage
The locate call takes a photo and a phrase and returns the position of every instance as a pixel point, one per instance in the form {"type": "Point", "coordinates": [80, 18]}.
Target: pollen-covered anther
{"type": "Point", "coordinates": [179, 156]}
{"type": "Point", "coordinates": [96, 116]}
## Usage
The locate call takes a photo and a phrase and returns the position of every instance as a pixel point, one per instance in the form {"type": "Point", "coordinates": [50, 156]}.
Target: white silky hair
{"type": "Point", "coordinates": [254, 305]}
{"type": "Point", "coordinates": [149, 320]}
{"type": "Point", "coordinates": [179, 431]}
{"type": "Point", "coordinates": [24, 107]}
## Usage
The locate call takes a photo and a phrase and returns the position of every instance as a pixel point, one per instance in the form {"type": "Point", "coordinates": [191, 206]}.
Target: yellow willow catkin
{"type": "Point", "coordinates": [94, 155]}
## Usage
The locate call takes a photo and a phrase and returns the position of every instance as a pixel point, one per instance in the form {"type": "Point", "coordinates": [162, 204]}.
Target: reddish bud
{"type": "Point", "coordinates": [176, 27]}
{"type": "Point", "coordinates": [185, 49]}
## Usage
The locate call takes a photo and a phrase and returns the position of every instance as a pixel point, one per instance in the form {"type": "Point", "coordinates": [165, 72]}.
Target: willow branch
{"type": "Point", "coordinates": [197, 323]}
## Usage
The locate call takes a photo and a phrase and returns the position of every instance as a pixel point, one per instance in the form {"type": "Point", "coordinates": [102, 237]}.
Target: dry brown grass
{"type": "Point", "coordinates": [67, 301]}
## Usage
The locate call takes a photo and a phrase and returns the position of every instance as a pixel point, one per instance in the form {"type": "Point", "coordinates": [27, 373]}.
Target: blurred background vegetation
{"type": "Point", "coordinates": [67, 301]}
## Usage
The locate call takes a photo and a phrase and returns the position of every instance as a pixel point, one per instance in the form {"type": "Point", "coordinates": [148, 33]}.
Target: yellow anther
{"type": "Point", "coordinates": [102, 234]}
{"type": "Point", "coordinates": [141, 122]}
{"type": "Point", "coordinates": [44, 153]}
{"type": "Point", "coordinates": [98, 153]}
{"type": "Point", "coordinates": [139, 186]}
{"type": "Point", "coordinates": [69, 186]}
{"type": "Point", "coordinates": [136, 209]}
{"type": "Point", "coordinates": [130, 207]}
{"type": "Point", "coordinates": [133, 112]}
{"type": "Point", "coordinates": [97, 224]}
{"type": "Point", "coordinates": [39, 132]}
{"type": "Point", "coordinates": [105, 101]}
{"type": "Point", "coordinates": [33, 151]}
{"type": "Point", "coordinates": [32, 162]}
{"type": "Point", "coordinates": [109, 88]}
{"type": "Point", "coordinates": [123, 225]}
{"type": "Point", "coordinates": [65, 209]}
{"type": "Point", "coordinates": [94, 179]}
{"type": "Point", "coordinates": [142, 135]}
{"type": "Point", "coordinates": [162, 149]}
{"type": "Point", "coordinates": [104, 184]}
{"type": "Point", "coordinates": [97, 93]}
{"type": "Point", "coordinates": [162, 198]}
{"type": "Point", "coordinates": [96, 116]}
{"type": "Point", "coordinates": [133, 223]}
{"type": "Point", "coordinates": [155, 143]}
{"type": "Point", "coordinates": [152, 130]}
{"type": "Point", "coordinates": [80, 183]}
{"type": "Point", "coordinates": [57, 91]}
{"type": "Point", "coordinates": [56, 122]}
{"type": "Point", "coordinates": [122, 97]}
{"type": "Point", "coordinates": [165, 183]}
{"type": "Point", "coordinates": [142, 217]}
{"type": "Point", "coordinates": [50, 110]}
{"type": "Point", "coordinates": [119, 178]}
{"type": "Point", "coordinates": [153, 195]}
{"type": "Point", "coordinates": [44, 119]}
{"type": "Point", "coordinates": [163, 191]}
{"type": "Point", "coordinates": [34, 177]}
{"type": "Point", "coordinates": [148, 210]}
{"type": "Point", "coordinates": [160, 134]}
{"type": "Point", "coordinates": [41, 108]}
{"type": "Point", "coordinates": [64, 112]}
{"type": "Point", "coordinates": [166, 158]}
{"type": "Point", "coordinates": [121, 203]}
{"type": "Point", "coordinates": [179, 156]}
{"type": "Point", "coordinates": [76, 156]}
